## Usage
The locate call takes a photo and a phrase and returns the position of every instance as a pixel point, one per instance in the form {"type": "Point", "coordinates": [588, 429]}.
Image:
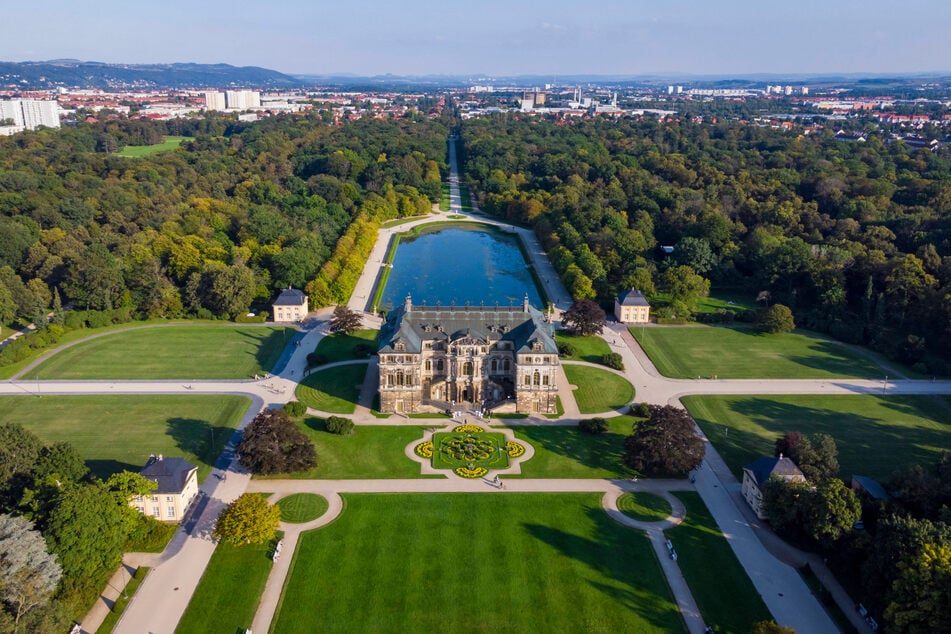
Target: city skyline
{"type": "Point", "coordinates": [607, 37]}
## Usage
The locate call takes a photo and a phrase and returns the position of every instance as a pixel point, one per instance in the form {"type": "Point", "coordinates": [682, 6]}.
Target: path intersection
{"type": "Point", "coordinates": [164, 594]}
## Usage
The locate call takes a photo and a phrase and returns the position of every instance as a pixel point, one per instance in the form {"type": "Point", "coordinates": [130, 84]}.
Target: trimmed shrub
{"type": "Point", "coordinates": [314, 359]}
{"type": "Point", "coordinates": [295, 409]}
{"type": "Point", "coordinates": [613, 360]}
{"type": "Point", "coordinates": [340, 425]}
{"type": "Point", "coordinates": [593, 426]}
{"type": "Point", "coordinates": [642, 410]}
{"type": "Point", "coordinates": [565, 349]}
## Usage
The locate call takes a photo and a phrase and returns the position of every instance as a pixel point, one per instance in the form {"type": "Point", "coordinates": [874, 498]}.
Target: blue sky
{"type": "Point", "coordinates": [495, 37]}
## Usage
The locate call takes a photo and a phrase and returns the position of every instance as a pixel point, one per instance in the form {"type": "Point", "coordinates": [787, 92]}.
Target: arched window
{"type": "Point", "coordinates": [495, 365]}
{"type": "Point", "coordinates": [467, 368]}
{"type": "Point", "coordinates": [506, 366]}
{"type": "Point", "coordinates": [429, 365]}
{"type": "Point", "coordinates": [538, 378]}
{"type": "Point", "coordinates": [400, 379]}
{"type": "Point", "coordinates": [439, 364]}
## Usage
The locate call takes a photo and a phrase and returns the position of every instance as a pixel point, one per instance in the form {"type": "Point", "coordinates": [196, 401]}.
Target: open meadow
{"type": "Point", "coordinates": [476, 563]}
{"type": "Point", "coordinates": [113, 433]}
{"type": "Point", "coordinates": [685, 352]}
{"type": "Point", "coordinates": [170, 352]}
{"type": "Point", "coordinates": [875, 435]}
{"type": "Point", "coordinates": [598, 390]}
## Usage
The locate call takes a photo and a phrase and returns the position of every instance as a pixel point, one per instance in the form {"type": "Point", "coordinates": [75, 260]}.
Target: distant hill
{"type": "Point", "coordinates": [73, 73]}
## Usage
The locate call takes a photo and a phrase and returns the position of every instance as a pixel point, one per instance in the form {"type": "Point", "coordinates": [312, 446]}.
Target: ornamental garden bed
{"type": "Point", "coordinates": [469, 451]}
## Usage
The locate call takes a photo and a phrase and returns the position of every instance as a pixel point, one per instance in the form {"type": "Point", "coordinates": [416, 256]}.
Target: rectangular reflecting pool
{"type": "Point", "coordinates": [456, 265]}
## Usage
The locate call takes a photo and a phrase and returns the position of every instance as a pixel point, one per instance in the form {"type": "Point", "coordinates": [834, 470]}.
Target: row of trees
{"type": "Point", "coordinates": [62, 531]}
{"type": "Point", "coordinates": [854, 238]}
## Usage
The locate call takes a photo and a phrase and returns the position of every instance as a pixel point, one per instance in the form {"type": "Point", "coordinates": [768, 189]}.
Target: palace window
{"type": "Point", "coordinates": [528, 379]}
{"type": "Point", "coordinates": [545, 380]}
{"type": "Point", "coordinates": [429, 365]}
{"type": "Point", "coordinates": [495, 365]}
{"type": "Point", "coordinates": [467, 368]}
{"type": "Point", "coordinates": [506, 366]}
{"type": "Point", "coordinates": [439, 364]}
{"type": "Point", "coordinates": [538, 378]}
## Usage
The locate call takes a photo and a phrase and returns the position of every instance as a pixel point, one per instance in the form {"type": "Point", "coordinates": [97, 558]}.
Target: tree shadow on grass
{"type": "Point", "coordinates": [601, 451]}
{"type": "Point", "coordinates": [199, 438]}
{"type": "Point", "coordinates": [105, 468]}
{"type": "Point", "coordinates": [867, 445]}
{"type": "Point", "coordinates": [621, 555]}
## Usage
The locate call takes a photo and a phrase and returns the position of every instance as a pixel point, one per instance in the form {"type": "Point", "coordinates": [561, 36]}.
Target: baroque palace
{"type": "Point", "coordinates": [467, 357]}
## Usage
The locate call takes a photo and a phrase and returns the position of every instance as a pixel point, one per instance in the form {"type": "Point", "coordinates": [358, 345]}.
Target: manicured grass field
{"type": "Point", "coordinates": [444, 197]}
{"type": "Point", "coordinates": [875, 435]}
{"type": "Point", "coordinates": [724, 593]}
{"type": "Point", "coordinates": [742, 353]}
{"type": "Point", "coordinates": [590, 349]}
{"type": "Point", "coordinates": [598, 390]}
{"type": "Point", "coordinates": [476, 563]}
{"type": "Point", "coordinates": [645, 507]}
{"type": "Point", "coordinates": [302, 507]}
{"type": "Point", "coordinates": [229, 592]}
{"type": "Point", "coordinates": [339, 346]}
{"type": "Point", "coordinates": [138, 151]}
{"type": "Point", "coordinates": [564, 452]}
{"type": "Point", "coordinates": [334, 390]}
{"type": "Point", "coordinates": [720, 300]}
{"type": "Point", "coordinates": [371, 452]}
{"type": "Point", "coordinates": [113, 433]}
{"type": "Point", "coordinates": [172, 352]}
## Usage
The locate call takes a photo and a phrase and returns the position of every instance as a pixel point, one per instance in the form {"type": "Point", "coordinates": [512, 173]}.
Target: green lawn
{"type": "Point", "coordinates": [114, 433]}
{"type": "Point", "coordinates": [339, 347]}
{"type": "Point", "coordinates": [497, 562]}
{"type": "Point", "coordinates": [742, 353]}
{"type": "Point", "coordinates": [590, 348]}
{"type": "Point", "coordinates": [444, 197]}
{"type": "Point", "coordinates": [875, 435]}
{"type": "Point", "coordinates": [138, 151]}
{"type": "Point", "coordinates": [598, 390]}
{"type": "Point", "coordinates": [302, 507]}
{"type": "Point", "coordinates": [721, 300]}
{"type": "Point", "coordinates": [173, 352]}
{"type": "Point", "coordinates": [334, 390]}
{"type": "Point", "coordinates": [371, 452]}
{"type": "Point", "coordinates": [645, 507]}
{"type": "Point", "coordinates": [727, 598]}
{"type": "Point", "coordinates": [564, 452]}
{"type": "Point", "coordinates": [122, 601]}
{"type": "Point", "coordinates": [229, 592]}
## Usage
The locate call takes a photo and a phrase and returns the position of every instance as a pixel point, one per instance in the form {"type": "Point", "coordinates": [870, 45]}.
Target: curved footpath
{"type": "Point", "coordinates": [163, 596]}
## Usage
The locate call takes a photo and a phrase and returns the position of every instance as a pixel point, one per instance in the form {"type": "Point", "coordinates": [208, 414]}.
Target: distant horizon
{"type": "Point", "coordinates": [749, 76]}
{"type": "Point", "coordinates": [495, 37]}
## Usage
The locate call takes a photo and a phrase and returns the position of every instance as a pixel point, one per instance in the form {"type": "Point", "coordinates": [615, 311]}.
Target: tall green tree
{"type": "Point", "coordinates": [248, 520]}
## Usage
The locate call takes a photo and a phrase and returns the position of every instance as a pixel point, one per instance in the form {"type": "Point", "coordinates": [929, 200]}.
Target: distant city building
{"type": "Point", "coordinates": [177, 481]}
{"type": "Point", "coordinates": [242, 99]}
{"type": "Point", "coordinates": [467, 357]}
{"type": "Point", "coordinates": [29, 114]}
{"type": "Point", "coordinates": [631, 307]}
{"type": "Point", "coordinates": [215, 101]}
{"type": "Point", "coordinates": [290, 305]}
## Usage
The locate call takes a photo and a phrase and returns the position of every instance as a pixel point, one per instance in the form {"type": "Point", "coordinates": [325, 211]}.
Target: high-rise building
{"type": "Point", "coordinates": [31, 113]}
{"type": "Point", "coordinates": [242, 99]}
{"type": "Point", "coordinates": [214, 100]}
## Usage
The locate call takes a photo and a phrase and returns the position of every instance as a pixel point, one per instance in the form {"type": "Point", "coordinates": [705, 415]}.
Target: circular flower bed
{"type": "Point", "coordinates": [475, 472]}
{"type": "Point", "coordinates": [424, 449]}
{"type": "Point", "coordinates": [469, 448]}
{"type": "Point", "coordinates": [514, 449]}
{"type": "Point", "coordinates": [467, 429]}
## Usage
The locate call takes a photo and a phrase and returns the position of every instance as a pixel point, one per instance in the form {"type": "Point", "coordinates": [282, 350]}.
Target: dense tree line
{"type": "Point", "coordinates": [854, 237]}
{"type": "Point", "coordinates": [210, 230]}
{"type": "Point", "coordinates": [62, 531]}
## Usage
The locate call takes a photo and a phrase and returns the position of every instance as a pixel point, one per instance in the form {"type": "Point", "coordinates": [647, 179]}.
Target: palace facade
{"type": "Point", "coordinates": [467, 357]}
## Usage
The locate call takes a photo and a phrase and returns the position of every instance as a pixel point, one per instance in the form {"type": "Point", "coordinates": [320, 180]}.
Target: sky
{"type": "Point", "coordinates": [492, 37]}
